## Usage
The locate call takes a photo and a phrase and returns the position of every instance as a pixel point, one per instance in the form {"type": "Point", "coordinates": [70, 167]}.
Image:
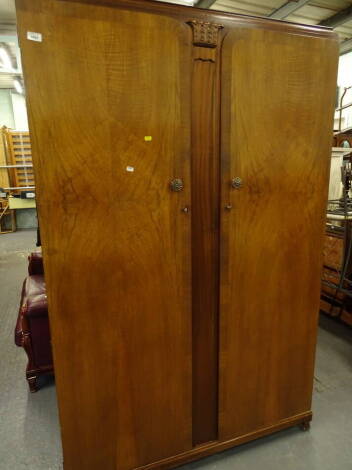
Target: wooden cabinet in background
{"type": "Point", "coordinates": [343, 139]}
{"type": "Point", "coordinates": [336, 302]}
{"type": "Point", "coordinates": [186, 223]}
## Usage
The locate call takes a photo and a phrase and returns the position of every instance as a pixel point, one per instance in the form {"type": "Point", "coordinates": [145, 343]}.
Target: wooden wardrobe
{"type": "Point", "coordinates": [181, 162]}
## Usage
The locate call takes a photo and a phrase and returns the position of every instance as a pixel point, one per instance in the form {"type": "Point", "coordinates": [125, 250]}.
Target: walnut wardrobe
{"type": "Point", "coordinates": [181, 162]}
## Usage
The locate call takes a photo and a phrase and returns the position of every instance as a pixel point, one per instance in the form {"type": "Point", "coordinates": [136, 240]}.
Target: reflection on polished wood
{"type": "Point", "coordinates": [191, 323]}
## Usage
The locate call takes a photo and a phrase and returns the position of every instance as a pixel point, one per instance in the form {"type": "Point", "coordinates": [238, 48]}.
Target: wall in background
{"type": "Point", "coordinates": [6, 109]}
{"type": "Point", "coordinates": [26, 218]}
{"type": "Point", "coordinates": [344, 79]}
{"type": "Point", "coordinates": [19, 112]}
{"type": "Point", "coordinates": [13, 111]}
{"type": "Point", "coordinates": [345, 70]}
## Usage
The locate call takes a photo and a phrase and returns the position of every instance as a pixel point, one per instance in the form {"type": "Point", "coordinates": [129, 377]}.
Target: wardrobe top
{"type": "Point", "coordinates": [192, 13]}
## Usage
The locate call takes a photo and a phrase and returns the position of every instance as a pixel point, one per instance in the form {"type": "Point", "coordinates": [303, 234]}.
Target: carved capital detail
{"type": "Point", "coordinates": [205, 34]}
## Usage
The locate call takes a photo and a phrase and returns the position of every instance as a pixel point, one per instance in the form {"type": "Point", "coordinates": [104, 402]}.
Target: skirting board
{"type": "Point", "coordinates": [216, 446]}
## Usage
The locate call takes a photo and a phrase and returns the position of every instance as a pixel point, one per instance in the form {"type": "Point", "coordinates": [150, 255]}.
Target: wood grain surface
{"type": "Point", "coordinates": [117, 246]}
{"type": "Point", "coordinates": [205, 243]}
{"type": "Point", "coordinates": [277, 110]}
{"type": "Point", "coordinates": [146, 377]}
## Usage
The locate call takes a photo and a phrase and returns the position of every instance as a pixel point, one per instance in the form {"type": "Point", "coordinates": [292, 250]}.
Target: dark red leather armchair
{"type": "Point", "coordinates": [32, 329]}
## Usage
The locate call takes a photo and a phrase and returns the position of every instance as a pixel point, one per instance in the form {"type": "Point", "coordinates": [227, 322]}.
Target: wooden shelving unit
{"type": "Point", "coordinates": [16, 173]}
{"type": "Point", "coordinates": [18, 157]}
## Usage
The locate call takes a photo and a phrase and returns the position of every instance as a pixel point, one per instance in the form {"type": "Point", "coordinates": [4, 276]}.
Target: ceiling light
{"type": "Point", "coordinates": [180, 2]}
{"type": "Point", "coordinates": [5, 59]}
{"type": "Point", "coordinates": [18, 86]}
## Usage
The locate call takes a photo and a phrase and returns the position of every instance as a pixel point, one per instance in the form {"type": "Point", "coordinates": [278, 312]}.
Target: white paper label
{"type": "Point", "coordinates": [130, 169]}
{"type": "Point", "coordinates": [31, 36]}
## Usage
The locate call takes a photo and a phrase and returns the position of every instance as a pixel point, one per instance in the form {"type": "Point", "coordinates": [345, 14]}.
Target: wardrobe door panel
{"type": "Point", "coordinates": [277, 110]}
{"type": "Point", "coordinates": [109, 101]}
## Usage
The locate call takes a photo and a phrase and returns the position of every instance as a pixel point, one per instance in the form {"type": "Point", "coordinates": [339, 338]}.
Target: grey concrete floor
{"type": "Point", "coordinates": [29, 428]}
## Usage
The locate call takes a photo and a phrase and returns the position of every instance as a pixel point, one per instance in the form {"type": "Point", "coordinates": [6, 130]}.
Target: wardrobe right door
{"type": "Point", "coordinates": [278, 92]}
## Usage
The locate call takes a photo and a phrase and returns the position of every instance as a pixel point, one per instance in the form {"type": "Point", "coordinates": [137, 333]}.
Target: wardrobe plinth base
{"type": "Point", "coordinates": [215, 447]}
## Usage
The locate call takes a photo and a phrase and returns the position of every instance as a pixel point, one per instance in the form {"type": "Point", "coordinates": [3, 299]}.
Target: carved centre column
{"type": "Point", "coordinates": [205, 227]}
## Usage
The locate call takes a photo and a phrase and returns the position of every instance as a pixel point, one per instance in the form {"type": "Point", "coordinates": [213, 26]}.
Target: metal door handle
{"type": "Point", "coordinates": [236, 182]}
{"type": "Point", "coordinates": [176, 185]}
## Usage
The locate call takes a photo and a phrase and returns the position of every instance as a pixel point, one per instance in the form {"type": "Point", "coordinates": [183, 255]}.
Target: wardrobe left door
{"type": "Point", "coordinates": [109, 105]}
